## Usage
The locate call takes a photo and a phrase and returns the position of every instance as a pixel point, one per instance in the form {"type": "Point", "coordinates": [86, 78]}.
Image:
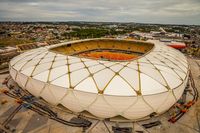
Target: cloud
{"type": "Point", "coordinates": [147, 11]}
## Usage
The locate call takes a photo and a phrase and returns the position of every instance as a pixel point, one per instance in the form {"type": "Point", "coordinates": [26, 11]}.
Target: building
{"type": "Point", "coordinates": [105, 77]}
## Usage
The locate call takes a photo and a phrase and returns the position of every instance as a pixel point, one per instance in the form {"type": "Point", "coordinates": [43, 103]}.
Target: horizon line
{"type": "Point", "coordinates": [59, 21]}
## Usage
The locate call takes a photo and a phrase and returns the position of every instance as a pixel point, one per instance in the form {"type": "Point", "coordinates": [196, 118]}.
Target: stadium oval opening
{"type": "Point", "coordinates": [105, 49]}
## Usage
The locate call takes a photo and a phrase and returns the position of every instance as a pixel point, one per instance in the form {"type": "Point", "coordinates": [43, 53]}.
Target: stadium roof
{"type": "Point", "coordinates": [135, 88]}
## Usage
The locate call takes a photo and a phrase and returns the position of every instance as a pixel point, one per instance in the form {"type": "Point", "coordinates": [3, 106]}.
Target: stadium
{"type": "Point", "coordinates": [106, 77]}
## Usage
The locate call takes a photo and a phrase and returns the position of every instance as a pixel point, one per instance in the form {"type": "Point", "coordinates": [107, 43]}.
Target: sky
{"type": "Point", "coordinates": [139, 11]}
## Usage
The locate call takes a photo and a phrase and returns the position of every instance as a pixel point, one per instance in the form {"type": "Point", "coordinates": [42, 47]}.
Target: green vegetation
{"type": "Point", "coordinates": [91, 33]}
{"type": "Point", "coordinates": [178, 30]}
{"type": "Point", "coordinates": [145, 28]}
{"type": "Point", "coordinates": [86, 33]}
{"type": "Point", "coordinates": [13, 41]}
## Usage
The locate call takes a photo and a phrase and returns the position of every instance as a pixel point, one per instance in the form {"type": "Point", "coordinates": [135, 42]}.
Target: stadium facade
{"type": "Point", "coordinates": [105, 77]}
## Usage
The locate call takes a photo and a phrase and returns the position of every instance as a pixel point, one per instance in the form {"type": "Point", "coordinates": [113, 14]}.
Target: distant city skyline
{"type": "Point", "coordinates": [139, 11]}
